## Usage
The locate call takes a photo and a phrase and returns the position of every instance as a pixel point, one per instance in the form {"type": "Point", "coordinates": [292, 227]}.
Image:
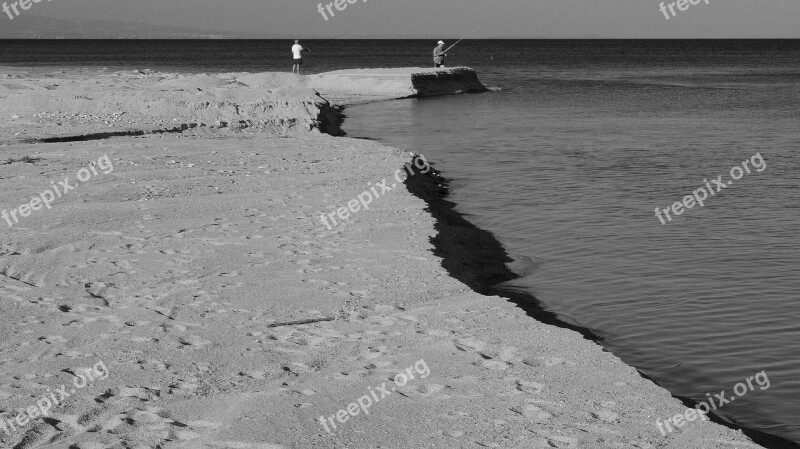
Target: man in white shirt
{"type": "Point", "coordinates": [439, 55]}
{"type": "Point", "coordinates": [297, 53]}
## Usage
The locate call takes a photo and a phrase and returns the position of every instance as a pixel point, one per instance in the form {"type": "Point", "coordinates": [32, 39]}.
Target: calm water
{"type": "Point", "coordinates": [566, 160]}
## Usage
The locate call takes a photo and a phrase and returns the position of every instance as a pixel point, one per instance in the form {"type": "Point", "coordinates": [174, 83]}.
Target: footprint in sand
{"type": "Point", "coordinates": [494, 365]}
{"type": "Point", "coordinates": [194, 341]}
{"type": "Point", "coordinates": [433, 391]}
{"type": "Point", "coordinates": [529, 386]}
{"type": "Point", "coordinates": [502, 361]}
{"type": "Point", "coordinates": [153, 365]}
{"type": "Point", "coordinates": [298, 368]}
{"type": "Point", "coordinates": [121, 417]}
{"type": "Point", "coordinates": [184, 388]}
{"type": "Point", "coordinates": [467, 344]}
{"type": "Point", "coordinates": [254, 374]}
{"type": "Point", "coordinates": [378, 365]}
{"type": "Point", "coordinates": [453, 433]}
{"type": "Point", "coordinates": [561, 441]}
{"type": "Point", "coordinates": [533, 412]}
{"type": "Point", "coordinates": [607, 416]}
{"type": "Point", "coordinates": [547, 362]}
{"type": "Point", "coordinates": [173, 327]}
{"type": "Point", "coordinates": [373, 353]}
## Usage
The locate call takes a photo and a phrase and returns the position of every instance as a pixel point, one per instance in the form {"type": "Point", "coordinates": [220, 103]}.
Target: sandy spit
{"type": "Point", "coordinates": [193, 275]}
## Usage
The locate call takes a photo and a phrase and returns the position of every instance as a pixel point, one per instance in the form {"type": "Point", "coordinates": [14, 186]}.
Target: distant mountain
{"type": "Point", "coordinates": [29, 26]}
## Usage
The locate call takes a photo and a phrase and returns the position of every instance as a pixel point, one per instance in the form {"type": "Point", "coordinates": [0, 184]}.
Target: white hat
{"type": "Point", "coordinates": [441, 42]}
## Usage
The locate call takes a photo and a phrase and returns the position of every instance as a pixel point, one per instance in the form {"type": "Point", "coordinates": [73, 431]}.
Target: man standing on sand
{"type": "Point", "coordinates": [439, 54]}
{"type": "Point", "coordinates": [297, 53]}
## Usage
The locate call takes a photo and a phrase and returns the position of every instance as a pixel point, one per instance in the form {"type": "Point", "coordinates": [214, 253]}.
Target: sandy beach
{"type": "Point", "coordinates": [193, 264]}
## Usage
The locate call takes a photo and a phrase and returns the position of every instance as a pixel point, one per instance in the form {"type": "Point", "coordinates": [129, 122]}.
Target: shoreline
{"type": "Point", "coordinates": [205, 277]}
{"type": "Point", "coordinates": [493, 258]}
{"type": "Point", "coordinates": [471, 273]}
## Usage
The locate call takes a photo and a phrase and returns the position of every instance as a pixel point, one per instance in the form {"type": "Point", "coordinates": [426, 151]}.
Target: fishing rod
{"type": "Point", "coordinates": [337, 37]}
{"type": "Point", "coordinates": [476, 29]}
{"type": "Point", "coordinates": [344, 34]}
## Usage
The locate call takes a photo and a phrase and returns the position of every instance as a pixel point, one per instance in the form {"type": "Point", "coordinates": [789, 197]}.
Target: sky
{"type": "Point", "coordinates": [452, 18]}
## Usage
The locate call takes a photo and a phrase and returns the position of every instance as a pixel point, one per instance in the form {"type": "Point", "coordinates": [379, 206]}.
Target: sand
{"type": "Point", "coordinates": [197, 270]}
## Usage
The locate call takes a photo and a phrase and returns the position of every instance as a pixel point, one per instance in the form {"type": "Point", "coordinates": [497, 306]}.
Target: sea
{"type": "Point", "coordinates": [571, 159]}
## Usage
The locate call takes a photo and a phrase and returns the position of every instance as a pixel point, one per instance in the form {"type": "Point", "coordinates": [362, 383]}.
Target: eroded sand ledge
{"type": "Point", "coordinates": [360, 85]}
{"type": "Point", "coordinates": [60, 105]}
{"type": "Point", "coordinates": [172, 268]}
